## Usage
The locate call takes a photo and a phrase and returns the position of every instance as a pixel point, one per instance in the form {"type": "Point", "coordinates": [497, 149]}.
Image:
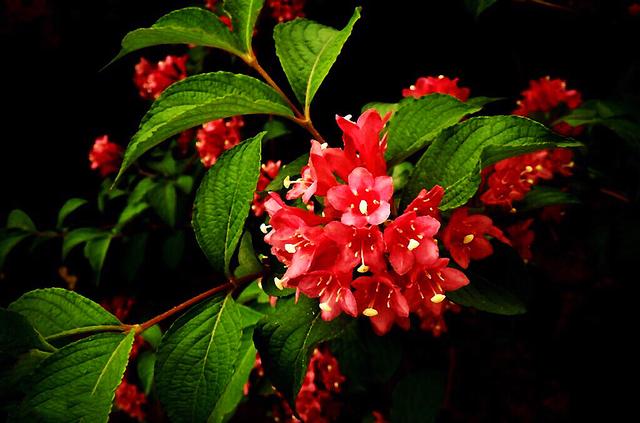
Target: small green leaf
{"type": "Point", "coordinates": [78, 382]}
{"type": "Point", "coordinates": [9, 239]}
{"type": "Point", "coordinates": [418, 397]}
{"type": "Point", "coordinates": [200, 99]}
{"type": "Point", "coordinates": [248, 263]}
{"type": "Point", "coordinates": [290, 169]}
{"type": "Point", "coordinates": [153, 336]}
{"type": "Point", "coordinates": [145, 367]}
{"type": "Point", "coordinates": [17, 335]}
{"type": "Point", "coordinates": [191, 25]}
{"type": "Point", "coordinates": [197, 354]}
{"type": "Point", "coordinates": [455, 158]}
{"type": "Point", "coordinates": [540, 196]}
{"type": "Point", "coordinates": [163, 199]}
{"type": "Point", "coordinates": [173, 249]}
{"type": "Point", "coordinates": [56, 312]}
{"type": "Point", "coordinates": [69, 207]}
{"type": "Point", "coordinates": [18, 219]}
{"type": "Point", "coordinates": [95, 251]}
{"type": "Point", "coordinates": [244, 14]}
{"type": "Point", "coordinates": [223, 201]}
{"type": "Point", "coordinates": [477, 7]}
{"type": "Point", "coordinates": [401, 173]}
{"type": "Point", "coordinates": [418, 121]}
{"type": "Point", "coordinates": [286, 339]}
{"type": "Point", "coordinates": [307, 50]}
{"type": "Point", "coordinates": [185, 183]}
{"type": "Point", "coordinates": [77, 237]}
{"type": "Point", "coordinates": [130, 212]}
{"type": "Point", "coordinates": [139, 193]}
{"type": "Point", "coordinates": [275, 129]}
{"type": "Point", "coordinates": [134, 250]}
{"type": "Point", "coordinates": [381, 108]}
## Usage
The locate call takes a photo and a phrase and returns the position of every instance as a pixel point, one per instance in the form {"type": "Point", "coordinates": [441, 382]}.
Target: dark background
{"type": "Point", "coordinates": [565, 361]}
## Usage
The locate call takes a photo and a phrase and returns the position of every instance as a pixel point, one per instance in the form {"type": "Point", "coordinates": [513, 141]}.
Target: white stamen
{"type": "Point", "coordinates": [324, 145]}
{"type": "Point", "coordinates": [264, 228]}
{"type": "Point", "coordinates": [370, 312]}
{"type": "Point", "coordinates": [348, 117]}
{"type": "Point", "coordinates": [468, 238]}
{"type": "Point", "coordinates": [363, 268]}
{"type": "Point", "coordinates": [325, 307]}
{"type": "Point", "coordinates": [287, 182]}
{"type": "Point", "coordinates": [290, 248]}
{"type": "Point", "coordinates": [363, 207]}
{"type": "Point", "coordinates": [279, 283]}
{"type": "Point", "coordinates": [438, 298]}
{"type": "Point", "coordinates": [413, 244]}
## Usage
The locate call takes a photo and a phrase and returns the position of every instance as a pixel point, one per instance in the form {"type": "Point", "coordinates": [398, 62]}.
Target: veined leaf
{"type": "Point", "coordinates": [78, 382]}
{"type": "Point", "coordinates": [145, 365]}
{"type": "Point", "coordinates": [244, 14]}
{"type": "Point", "coordinates": [455, 158]}
{"type": "Point", "coordinates": [200, 99]}
{"type": "Point", "coordinates": [223, 201]}
{"type": "Point", "coordinates": [540, 196]}
{"type": "Point", "coordinates": [17, 335]}
{"type": "Point", "coordinates": [307, 50]}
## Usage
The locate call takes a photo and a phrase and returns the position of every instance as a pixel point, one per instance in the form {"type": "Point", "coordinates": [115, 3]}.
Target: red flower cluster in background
{"type": "Point", "coordinates": [440, 84]}
{"type": "Point", "coordinates": [397, 267]}
{"type": "Point", "coordinates": [105, 156]}
{"type": "Point", "coordinates": [153, 78]}
{"type": "Point", "coordinates": [286, 10]}
{"type": "Point", "coordinates": [268, 172]}
{"type": "Point", "coordinates": [634, 9]}
{"type": "Point", "coordinates": [217, 136]}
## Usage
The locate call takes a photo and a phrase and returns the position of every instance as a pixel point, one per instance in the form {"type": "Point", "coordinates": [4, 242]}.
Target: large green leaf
{"type": "Point", "coordinates": [418, 397]}
{"type": "Point", "coordinates": [191, 25]}
{"type": "Point", "coordinates": [223, 201]}
{"type": "Point", "coordinates": [286, 339]}
{"type": "Point", "coordinates": [200, 99]}
{"type": "Point", "coordinates": [77, 383]}
{"type": "Point", "coordinates": [244, 14]}
{"type": "Point", "coordinates": [196, 359]}
{"type": "Point", "coordinates": [455, 158]}
{"type": "Point", "coordinates": [307, 50]}
{"type": "Point", "coordinates": [418, 121]}
{"type": "Point", "coordinates": [54, 312]}
{"type": "Point", "coordinates": [17, 335]}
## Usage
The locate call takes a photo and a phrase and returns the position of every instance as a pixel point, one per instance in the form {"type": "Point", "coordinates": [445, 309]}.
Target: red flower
{"type": "Point", "coordinates": [333, 289]}
{"type": "Point", "coordinates": [362, 145]}
{"type": "Point", "coordinates": [120, 306]}
{"type": "Point", "coordinates": [317, 177]}
{"type": "Point", "coordinates": [464, 236]}
{"type": "Point", "coordinates": [634, 9]}
{"type": "Point", "coordinates": [105, 156]}
{"type": "Point", "coordinates": [131, 400]}
{"type": "Point", "coordinates": [268, 172]}
{"type": "Point", "coordinates": [432, 316]}
{"type": "Point", "coordinates": [441, 84]}
{"type": "Point", "coordinates": [365, 200]}
{"type": "Point", "coordinates": [286, 10]}
{"type": "Point", "coordinates": [428, 284]}
{"type": "Point", "coordinates": [427, 202]}
{"type": "Point", "coordinates": [521, 237]}
{"type": "Point", "coordinates": [381, 300]}
{"type": "Point", "coordinates": [217, 136]}
{"type": "Point", "coordinates": [153, 79]}
{"type": "Point", "coordinates": [361, 247]}
{"type": "Point", "coordinates": [409, 241]}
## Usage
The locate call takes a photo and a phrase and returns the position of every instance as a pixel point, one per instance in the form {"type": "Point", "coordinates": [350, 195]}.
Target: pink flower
{"type": "Point", "coordinates": [441, 84]}
{"type": "Point", "coordinates": [365, 200]}
{"type": "Point", "coordinates": [153, 79]}
{"type": "Point", "coordinates": [427, 202]}
{"type": "Point", "coordinates": [464, 236]}
{"type": "Point", "coordinates": [317, 177]}
{"type": "Point", "coordinates": [429, 283]}
{"type": "Point", "coordinates": [409, 240]}
{"type": "Point", "coordinates": [268, 172]}
{"type": "Point", "coordinates": [333, 290]}
{"type": "Point", "coordinates": [381, 300]}
{"type": "Point", "coordinates": [361, 247]}
{"type": "Point", "coordinates": [362, 144]}
{"type": "Point", "coordinates": [217, 136]}
{"type": "Point", "coordinates": [105, 156]}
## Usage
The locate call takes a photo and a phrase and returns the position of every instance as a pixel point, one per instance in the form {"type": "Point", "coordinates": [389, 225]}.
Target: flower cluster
{"type": "Point", "coordinates": [352, 256]}
{"type": "Point", "coordinates": [286, 10]}
{"type": "Point", "coordinates": [131, 400]}
{"type": "Point", "coordinates": [268, 172]}
{"type": "Point", "coordinates": [152, 79]}
{"type": "Point", "coordinates": [217, 136]}
{"type": "Point", "coordinates": [440, 84]}
{"type": "Point", "coordinates": [105, 156]}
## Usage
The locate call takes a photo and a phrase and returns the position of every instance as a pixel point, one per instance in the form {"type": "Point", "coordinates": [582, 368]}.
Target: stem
{"type": "Point", "coordinates": [89, 329]}
{"type": "Point", "coordinates": [546, 4]}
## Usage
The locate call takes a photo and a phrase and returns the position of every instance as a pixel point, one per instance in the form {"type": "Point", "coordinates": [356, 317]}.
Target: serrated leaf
{"type": "Point", "coordinates": [69, 207]}
{"type": "Point", "coordinates": [286, 339]}
{"type": "Point", "coordinates": [200, 99]}
{"type": "Point", "coordinates": [418, 397]}
{"type": "Point", "coordinates": [290, 169]}
{"type": "Point", "coordinates": [307, 50]}
{"type": "Point", "coordinates": [540, 196]}
{"type": "Point", "coordinates": [78, 382]}
{"type": "Point", "coordinates": [163, 199]}
{"type": "Point", "coordinates": [248, 263]}
{"type": "Point", "coordinates": [17, 335]}
{"type": "Point", "coordinates": [191, 25]}
{"type": "Point", "coordinates": [77, 237]}
{"type": "Point", "coordinates": [9, 239]}
{"type": "Point", "coordinates": [54, 312]}
{"type": "Point", "coordinates": [244, 14]}
{"type": "Point", "coordinates": [197, 354]}
{"type": "Point", "coordinates": [18, 219]}
{"type": "Point", "coordinates": [223, 201]}
{"type": "Point", "coordinates": [418, 121]}
{"type": "Point", "coordinates": [95, 250]}
{"type": "Point", "coordinates": [455, 158]}
{"type": "Point", "coordinates": [145, 364]}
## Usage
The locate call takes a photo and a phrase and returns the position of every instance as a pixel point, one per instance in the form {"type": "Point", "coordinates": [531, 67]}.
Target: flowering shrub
{"type": "Point", "coordinates": [332, 270]}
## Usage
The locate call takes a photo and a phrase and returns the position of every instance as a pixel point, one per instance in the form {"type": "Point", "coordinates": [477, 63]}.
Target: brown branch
{"type": "Point", "coordinates": [546, 4]}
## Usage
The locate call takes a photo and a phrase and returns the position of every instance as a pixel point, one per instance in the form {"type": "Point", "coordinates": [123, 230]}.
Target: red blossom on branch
{"type": "Point", "coordinates": [521, 237]}
{"type": "Point", "coordinates": [153, 78]}
{"type": "Point", "coordinates": [268, 172]}
{"type": "Point", "coordinates": [440, 84]}
{"type": "Point", "coordinates": [286, 10]}
{"type": "Point", "coordinates": [131, 400]}
{"type": "Point", "coordinates": [105, 156]}
{"type": "Point", "coordinates": [217, 136]}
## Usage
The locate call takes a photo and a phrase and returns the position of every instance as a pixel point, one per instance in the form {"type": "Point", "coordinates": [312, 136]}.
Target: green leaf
{"type": "Point", "coordinates": [252, 292]}
{"type": "Point", "coordinates": [134, 251]}
{"type": "Point", "coordinates": [18, 219]}
{"type": "Point", "coordinates": [77, 237]}
{"type": "Point", "coordinates": [234, 391]}
{"type": "Point", "coordinates": [95, 251]}
{"type": "Point", "coordinates": [249, 316]}
{"type": "Point", "coordinates": [185, 183]}
{"type": "Point", "coordinates": [139, 193]}
{"type": "Point", "coordinates": [145, 367]}
{"type": "Point", "coordinates": [191, 25]}
{"type": "Point", "coordinates": [56, 312]}
{"type": "Point", "coordinates": [275, 129]}
{"type": "Point", "coordinates": [173, 249]}
{"type": "Point", "coordinates": [248, 263]}
{"type": "Point", "coordinates": [69, 207]}
{"type": "Point", "coordinates": [307, 50]}
{"type": "Point", "coordinates": [477, 7]}
{"type": "Point", "coordinates": [270, 288]}
{"type": "Point", "coordinates": [418, 121]}
{"type": "Point", "coordinates": [540, 196]}
{"type": "Point", "coordinates": [418, 397]}
{"type": "Point", "coordinates": [163, 200]}
{"type": "Point", "coordinates": [455, 158]}
{"type": "Point", "coordinates": [17, 335]}
{"type": "Point", "coordinates": [9, 239]}
{"type": "Point", "coordinates": [286, 339]}
{"type": "Point", "coordinates": [12, 378]}
{"type": "Point", "coordinates": [290, 169]}
{"type": "Point", "coordinates": [196, 355]}
{"type": "Point", "coordinates": [382, 108]}
{"type": "Point", "coordinates": [401, 173]}
{"type": "Point", "coordinates": [244, 14]}
{"type": "Point", "coordinates": [482, 101]}
{"type": "Point", "coordinates": [200, 99]}
{"type": "Point", "coordinates": [223, 201]}
{"type": "Point", "coordinates": [78, 382]}
{"type": "Point", "coordinates": [153, 336]}
{"type": "Point", "coordinates": [130, 212]}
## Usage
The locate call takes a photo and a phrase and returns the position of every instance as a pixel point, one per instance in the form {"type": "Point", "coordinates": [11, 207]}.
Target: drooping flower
{"type": "Point", "coordinates": [268, 172]}
{"type": "Point", "coordinates": [152, 79]}
{"type": "Point", "coordinates": [131, 400]}
{"type": "Point", "coordinates": [409, 240]}
{"type": "Point", "coordinates": [432, 314]}
{"type": "Point", "coordinates": [217, 136]}
{"type": "Point", "coordinates": [440, 84]}
{"type": "Point", "coordinates": [365, 200]}
{"type": "Point", "coordinates": [286, 10]}
{"type": "Point", "coordinates": [380, 299]}
{"type": "Point", "coordinates": [464, 236]}
{"type": "Point", "coordinates": [427, 202]}
{"type": "Point", "coordinates": [105, 156]}
{"type": "Point", "coordinates": [521, 237]}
